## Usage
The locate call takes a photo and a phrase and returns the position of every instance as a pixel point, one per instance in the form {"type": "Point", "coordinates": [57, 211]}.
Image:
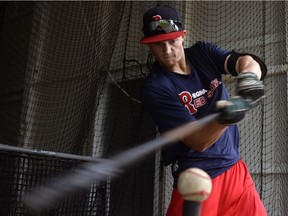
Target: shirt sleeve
{"type": "Point", "coordinates": [213, 53]}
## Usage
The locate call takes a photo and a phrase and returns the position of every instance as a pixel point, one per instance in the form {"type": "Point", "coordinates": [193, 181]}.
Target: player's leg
{"type": "Point", "coordinates": [211, 205]}
{"type": "Point", "coordinates": [249, 204]}
{"type": "Point", "coordinates": [241, 197]}
{"type": "Point", "coordinates": [233, 192]}
{"type": "Point", "coordinates": [175, 205]}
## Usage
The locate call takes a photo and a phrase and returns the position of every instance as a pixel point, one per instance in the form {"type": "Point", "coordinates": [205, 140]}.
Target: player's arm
{"type": "Point", "coordinates": [245, 64]}
{"type": "Point", "coordinates": [237, 63]}
{"type": "Point", "coordinates": [205, 136]}
{"type": "Point", "coordinates": [168, 111]}
{"type": "Point", "coordinates": [250, 71]}
{"type": "Point", "coordinates": [231, 112]}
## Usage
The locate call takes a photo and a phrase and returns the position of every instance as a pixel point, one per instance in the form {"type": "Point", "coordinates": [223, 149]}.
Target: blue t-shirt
{"type": "Point", "coordinates": [174, 99]}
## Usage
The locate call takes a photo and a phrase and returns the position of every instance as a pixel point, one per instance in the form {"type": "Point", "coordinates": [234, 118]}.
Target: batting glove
{"type": "Point", "coordinates": [232, 111]}
{"type": "Point", "coordinates": [250, 88]}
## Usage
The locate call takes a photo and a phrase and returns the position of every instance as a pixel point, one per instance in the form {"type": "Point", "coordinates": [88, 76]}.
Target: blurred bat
{"type": "Point", "coordinates": [47, 196]}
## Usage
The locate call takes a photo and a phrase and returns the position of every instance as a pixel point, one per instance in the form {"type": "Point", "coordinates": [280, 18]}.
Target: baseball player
{"type": "Point", "coordinates": [184, 85]}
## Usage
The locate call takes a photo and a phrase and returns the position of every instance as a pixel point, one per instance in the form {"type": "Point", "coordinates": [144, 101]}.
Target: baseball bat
{"type": "Point", "coordinates": [192, 208]}
{"type": "Point", "coordinates": [47, 196]}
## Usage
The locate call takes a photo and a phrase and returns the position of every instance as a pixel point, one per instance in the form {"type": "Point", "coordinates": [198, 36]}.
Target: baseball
{"type": "Point", "coordinates": [194, 185]}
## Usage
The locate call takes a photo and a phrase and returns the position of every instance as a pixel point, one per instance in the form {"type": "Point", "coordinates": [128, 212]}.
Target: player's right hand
{"type": "Point", "coordinates": [233, 110]}
{"type": "Point", "coordinates": [250, 88]}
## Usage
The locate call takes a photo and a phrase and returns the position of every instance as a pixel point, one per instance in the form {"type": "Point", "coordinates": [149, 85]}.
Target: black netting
{"type": "Point", "coordinates": [23, 171]}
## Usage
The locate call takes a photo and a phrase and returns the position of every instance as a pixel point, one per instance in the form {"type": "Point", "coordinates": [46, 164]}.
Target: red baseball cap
{"type": "Point", "coordinates": [161, 23]}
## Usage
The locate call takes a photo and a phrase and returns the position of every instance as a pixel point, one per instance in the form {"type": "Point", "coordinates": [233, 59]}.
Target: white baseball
{"type": "Point", "coordinates": [194, 184]}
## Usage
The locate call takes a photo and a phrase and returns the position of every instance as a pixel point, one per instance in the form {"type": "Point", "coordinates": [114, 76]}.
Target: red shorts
{"type": "Point", "coordinates": [233, 194]}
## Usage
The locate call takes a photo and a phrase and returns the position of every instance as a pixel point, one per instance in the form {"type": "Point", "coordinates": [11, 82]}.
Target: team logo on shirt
{"type": "Point", "coordinates": [192, 101]}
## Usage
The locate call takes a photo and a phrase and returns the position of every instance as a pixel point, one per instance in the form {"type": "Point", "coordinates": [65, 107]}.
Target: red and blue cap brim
{"type": "Point", "coordinates": [162, 37]}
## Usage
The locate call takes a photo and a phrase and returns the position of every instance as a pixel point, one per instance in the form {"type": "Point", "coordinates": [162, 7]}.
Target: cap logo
{"type": "Point", "coordinates": [156, 18]}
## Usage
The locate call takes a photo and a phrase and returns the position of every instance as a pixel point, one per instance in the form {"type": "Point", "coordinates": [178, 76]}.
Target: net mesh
{"type": "Point", "coordinates": [69, 83]}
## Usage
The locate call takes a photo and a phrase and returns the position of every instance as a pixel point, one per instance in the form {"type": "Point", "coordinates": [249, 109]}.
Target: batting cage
{"type": "Point", "coordinates": [70, 75]}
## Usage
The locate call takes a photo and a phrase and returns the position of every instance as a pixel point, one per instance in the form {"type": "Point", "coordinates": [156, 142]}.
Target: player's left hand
{"type": "Point", "coordinates": [232, 111]}
{"type": "Point", "coordinates": [250, 88]}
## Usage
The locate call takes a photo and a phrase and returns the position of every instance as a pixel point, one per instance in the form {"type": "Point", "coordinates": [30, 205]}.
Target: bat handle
{"type": "Point", "coordinates": [191, 208]}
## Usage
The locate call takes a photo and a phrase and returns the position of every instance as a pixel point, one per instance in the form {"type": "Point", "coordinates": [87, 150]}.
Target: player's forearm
{"type": "Point", "coordinates": [205, 137]}
{"type": "Point", "coordinates": [248, 64]}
